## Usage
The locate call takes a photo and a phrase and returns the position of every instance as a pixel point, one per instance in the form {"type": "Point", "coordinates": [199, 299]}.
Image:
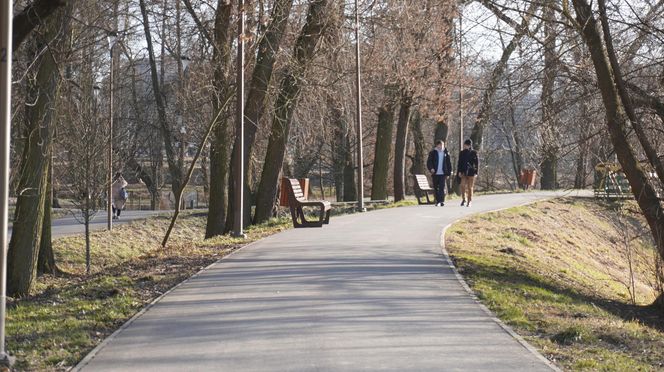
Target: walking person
{"type": "Point", "coordinates": [440, 166]}
{"type": "Point", "coordinates": [119, 195]}
{"type": "Point", "coordinates": [467, 169]}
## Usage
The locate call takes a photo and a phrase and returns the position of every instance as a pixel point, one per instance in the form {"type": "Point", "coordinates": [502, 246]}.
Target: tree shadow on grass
{"type": "Point", "coordinates": [651, 315]}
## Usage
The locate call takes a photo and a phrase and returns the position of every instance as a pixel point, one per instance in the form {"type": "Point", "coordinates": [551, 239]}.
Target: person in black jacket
{"type": "Point", "coordinates": [468, 168]}
{"type": "Point", "coordinates": [440, 166]}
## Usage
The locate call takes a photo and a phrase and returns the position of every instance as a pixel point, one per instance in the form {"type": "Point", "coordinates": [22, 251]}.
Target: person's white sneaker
{"type": "Point", "coordinates": [463, 202]}
{"type": "Point", "coordinates": [437, 204]}
{"type": "Point", "coordinates": [468, 205]}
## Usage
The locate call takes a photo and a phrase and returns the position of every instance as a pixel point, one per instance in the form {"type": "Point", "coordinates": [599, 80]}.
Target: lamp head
{"type": "Point", "coordinates": [185, 62]}
{"type": "Point", "coordinates": [112, 38]}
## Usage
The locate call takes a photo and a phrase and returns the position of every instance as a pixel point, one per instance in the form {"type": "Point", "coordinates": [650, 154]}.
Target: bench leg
{"type": "Point", "coordinates": [294, 214]}
{"type": "Point", "coordinates": [303, 222]}
{"type": "Point", "coordinates": [324, 216]}
{"type": "Point", "coordinates": [321, 216]}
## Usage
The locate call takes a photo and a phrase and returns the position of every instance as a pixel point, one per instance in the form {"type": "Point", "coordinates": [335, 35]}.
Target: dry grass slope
{"type": "Point", "coordinates": [559, 273]}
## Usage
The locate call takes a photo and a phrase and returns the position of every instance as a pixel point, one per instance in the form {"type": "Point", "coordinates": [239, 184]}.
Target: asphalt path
{"type": "Point", "coordinates": [73, 224]}
{"type": "Point", "coordinates": [372, 291]}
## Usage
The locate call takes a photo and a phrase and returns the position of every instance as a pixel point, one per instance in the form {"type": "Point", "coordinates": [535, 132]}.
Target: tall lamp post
{"type": "Point", "coordinates": [182, 70]}
{"type": "Point", "coordinates": [238, 228]}
{"type": "Point", "coordinates": [112, 39]}
{"type": "Point", "coordinates": [6, 14]}
{"type": "Point", "coordinates": [358, 113]}
{"type": "Point", "coordinates": [460, 79]}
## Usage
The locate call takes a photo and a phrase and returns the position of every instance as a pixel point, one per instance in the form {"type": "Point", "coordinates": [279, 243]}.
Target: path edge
{"type": "Point", "coordinates": [93, 353]}
{"type": "Point", "coordinates": [485, 309]}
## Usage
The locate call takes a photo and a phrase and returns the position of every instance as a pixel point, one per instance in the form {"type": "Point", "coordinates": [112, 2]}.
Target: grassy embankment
{"type": "Point", "coordinates": [558, 272]}
{"type": "Point", "coordinates": [69, 314]}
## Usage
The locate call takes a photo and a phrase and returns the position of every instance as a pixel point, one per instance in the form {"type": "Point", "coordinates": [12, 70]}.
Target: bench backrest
{"type": "Point", "coordinates": [422, 182]}
{"type": "Point", "coordinates": [296, 190]}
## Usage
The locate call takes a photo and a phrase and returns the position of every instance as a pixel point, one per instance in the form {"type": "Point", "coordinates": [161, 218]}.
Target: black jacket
{"type": "Point", "coordinates": [432, 162]}
{"type": "Point", "coordinates": [469, 164]}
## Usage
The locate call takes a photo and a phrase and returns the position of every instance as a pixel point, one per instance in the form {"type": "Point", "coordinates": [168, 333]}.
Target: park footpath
{"type": "Point", "coordinates": [372, 291]}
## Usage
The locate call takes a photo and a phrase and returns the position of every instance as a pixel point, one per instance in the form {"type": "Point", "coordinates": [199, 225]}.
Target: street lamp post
{"type": "Point", "coordinates": [183, 134]}
{"type": "Point", "coordinates": [238, 228]}
{"type": "Point", "coordinates": [112, 39]}
{"type": "Point", "coordinates": [6, 14]}
{"type": "Point", "coordinates": [358, 113]}
{"type": "Point", "coordinates": [182, 70]}
{"type": "Point", "coordinates": [460, 79]}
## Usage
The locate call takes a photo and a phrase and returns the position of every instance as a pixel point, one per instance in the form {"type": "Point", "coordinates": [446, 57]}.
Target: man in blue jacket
{"type": "Point", "coordinates": [440, 166]}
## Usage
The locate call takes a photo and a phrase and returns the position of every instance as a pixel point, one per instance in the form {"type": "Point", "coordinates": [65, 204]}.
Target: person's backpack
{"type": "Point", "coordinates": [124, 194]}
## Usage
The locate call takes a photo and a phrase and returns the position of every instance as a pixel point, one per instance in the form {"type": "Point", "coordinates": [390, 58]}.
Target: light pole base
{"type": "Point", "coordinates": [361, 210]}
{"type": "Point", "coordinates": [241, 235]}
{"type": "Point", "coordinates": [6, 362]}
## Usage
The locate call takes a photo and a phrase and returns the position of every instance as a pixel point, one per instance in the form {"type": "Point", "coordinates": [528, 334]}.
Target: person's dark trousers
{"type": "Point", "coordinates": [439, 185]}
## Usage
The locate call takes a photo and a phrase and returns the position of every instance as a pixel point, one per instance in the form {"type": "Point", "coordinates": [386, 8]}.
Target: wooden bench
{"type": "Point", "coordinates": [422, 189]}
{"type": "Point", "coordinates": [296, 201]}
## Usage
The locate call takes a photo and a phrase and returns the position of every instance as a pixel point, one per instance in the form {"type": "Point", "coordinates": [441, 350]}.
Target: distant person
{"type": "Point", "coordinates": [440, 166]}
{"type": "Point", "coordinates": [119, 195]}
{"type": "Point", "coordinates": [468, 169]}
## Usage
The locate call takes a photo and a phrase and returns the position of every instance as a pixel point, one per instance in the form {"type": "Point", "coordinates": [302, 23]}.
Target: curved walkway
{"type": "Point", "coordinates": [370, 291]}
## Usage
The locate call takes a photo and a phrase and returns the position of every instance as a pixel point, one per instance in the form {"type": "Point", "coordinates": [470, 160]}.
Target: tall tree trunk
{"type": "Point", "coordinates": [382, 152]}
{"type": "Point", "coordinates": [549, 149]}
{"type": "Point", "coordinates": [24, 245]}
{"type": "Point", "coordinates": [46, 259]}
{"type": "Point", "coordinates": [514, 136]}
{"type": "Point", "coordinates": [618, 124]}
{"type": "Point", "coordinates": [220, 142]}
{"type": "Point", "coordinates": [644, 137]}
{"type": "Point", "coordinates": [442, 131]}
{"type": "Point", "coordinates": [350, 186]}
{"type": "Point", "coordinates": [584, 149]}
{"type": "Point", "coordinates": [286, 102]}
{"type": "Point", "coordinates": [400, 147]}
{"type": "Point", "coordinates": [167, 134]}
{"type": "Point", "coordinates": [446, 64]}
{"type": "Point", "coordinates": [254, 108]}
{"type": "Point", "coordinates": [419, 157]}
{"type": "Point", "coordinates": [484, 115]}
{"type": "Point", "coordinates": [338, 149]}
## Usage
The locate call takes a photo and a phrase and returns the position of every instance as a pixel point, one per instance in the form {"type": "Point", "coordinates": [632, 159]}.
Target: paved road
{"type": "Point", "coordinates": [71, 225]}
{"type": "Point", "coordinates": [368, 292]}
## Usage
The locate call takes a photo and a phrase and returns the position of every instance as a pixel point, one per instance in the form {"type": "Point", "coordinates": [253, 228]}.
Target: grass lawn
{"type": "Point", "coordinates": [558, 272]}
{"type": "Point", "coordinates": [67, 315]}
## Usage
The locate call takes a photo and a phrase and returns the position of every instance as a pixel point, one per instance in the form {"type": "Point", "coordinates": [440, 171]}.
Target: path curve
{"type": "Point", "coordinates": [370, 291]}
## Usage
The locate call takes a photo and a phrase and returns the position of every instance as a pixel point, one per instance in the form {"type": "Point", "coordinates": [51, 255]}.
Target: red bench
{"type": "Point", "coordinates": [296, 201]}
{"type": "Point", "coordinates": [422, 189]}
